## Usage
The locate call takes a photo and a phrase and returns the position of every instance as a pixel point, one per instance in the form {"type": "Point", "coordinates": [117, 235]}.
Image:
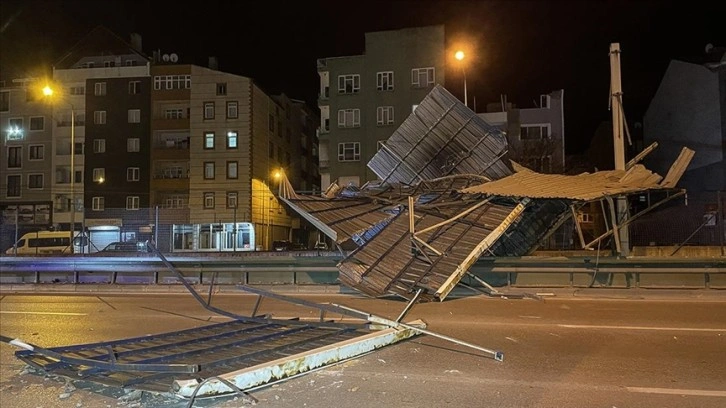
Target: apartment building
{"type": "Point", "coordinates": [26, 176]}
{"type": "Point", "coordinates": [101, 54]}
{"type": "Point", "coordinates": [364, 98]}
{"type": "Point", "coordinates": [202, 146]}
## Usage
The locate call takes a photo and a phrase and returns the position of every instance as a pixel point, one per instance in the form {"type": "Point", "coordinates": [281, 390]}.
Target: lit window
{"type": "Point", "coordinates": [384, 81]}
{"type": "Point", "coordinates": [15, 129]}
{"type": "Point", "coordinates": [349, 151]}
{"type": "Point", "coordinates": [231, 140]}
{"type": "Point", "coordinates": [209, 140]}
{"type": "Point", "coordinates": [99, 175]}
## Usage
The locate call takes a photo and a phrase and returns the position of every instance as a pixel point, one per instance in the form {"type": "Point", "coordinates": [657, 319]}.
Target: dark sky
{"type": "Point", "coordinates": [522, 48]}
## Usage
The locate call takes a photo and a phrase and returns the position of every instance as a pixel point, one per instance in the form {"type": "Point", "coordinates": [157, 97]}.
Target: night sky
{"type": "Point", "coordinates": [522, 48]}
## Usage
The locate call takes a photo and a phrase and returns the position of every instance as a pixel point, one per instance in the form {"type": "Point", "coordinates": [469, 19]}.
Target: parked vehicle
{"type": "Point", "coordinates": [281, 245]}
{"type": "Point", "coordinates": [48, 243]}
{"type": "Point", "coordinates": [124, 247]}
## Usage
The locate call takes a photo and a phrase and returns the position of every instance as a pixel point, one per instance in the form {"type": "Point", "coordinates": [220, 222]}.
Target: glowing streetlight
{"type": "Point", "coordinates": [459, 55]}
{"type": "Point", "coordinates": [48, 92]}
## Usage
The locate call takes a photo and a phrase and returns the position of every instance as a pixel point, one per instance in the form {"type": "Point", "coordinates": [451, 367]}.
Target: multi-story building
{"type": "Point", "coordinates": [75, 77]}
{"type": "Point", "coordinates": [26, 173]}
{"type": "Point", "coordinates": [536, 136]}
{"type": "Point", "coordinates": [201, 146]}
{"type": "Point", "coordinates": [364, 98]}
{"type": "Point", "coordinates": [689, 109]}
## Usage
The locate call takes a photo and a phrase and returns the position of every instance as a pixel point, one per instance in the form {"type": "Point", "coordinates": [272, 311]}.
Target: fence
{"type": "Point", "coordinates": [694, 220]}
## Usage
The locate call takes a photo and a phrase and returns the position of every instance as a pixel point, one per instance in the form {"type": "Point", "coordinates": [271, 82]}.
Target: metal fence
{"type": "Point", "coordinates": [694, 220]}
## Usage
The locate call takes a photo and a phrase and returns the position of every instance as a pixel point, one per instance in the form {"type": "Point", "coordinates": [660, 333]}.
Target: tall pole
{"type": "Point", "coordinates": [73, 171]}
{"type": "Point", "coordinates": [616, 107]}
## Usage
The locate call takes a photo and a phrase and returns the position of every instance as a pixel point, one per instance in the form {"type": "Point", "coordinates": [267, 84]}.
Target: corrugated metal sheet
{"type": "Point", "coordinates": [583, 187]}
{"type": "Point", "coordinates": [348, 217]}
{"type": "Point", "coordinates": [389, 263]}
{"type": "Point", "coordinates": [441, 137]}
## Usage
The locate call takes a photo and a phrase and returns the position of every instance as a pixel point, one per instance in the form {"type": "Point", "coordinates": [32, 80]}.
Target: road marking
{"type": "Point", "coordinates": [587, 326]}
{"type": "Point", "coordinates": [704, 393]}
{"type": "Point", "coordinates": [45, 313]}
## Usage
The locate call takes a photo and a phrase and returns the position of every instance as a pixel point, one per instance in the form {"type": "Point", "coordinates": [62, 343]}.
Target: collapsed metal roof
{"type": "Point", "coordinates": [582, 187]}
{"type": "Point", "coordinates": [448, 194]}
{"type": "Point", "coordinates": [441, 137]}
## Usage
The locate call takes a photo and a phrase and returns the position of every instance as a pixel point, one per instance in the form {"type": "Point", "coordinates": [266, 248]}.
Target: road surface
{"type": "Point", "coordinates": [562, 352]}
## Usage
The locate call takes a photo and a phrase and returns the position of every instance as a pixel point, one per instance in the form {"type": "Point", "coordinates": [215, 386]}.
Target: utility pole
{"type": "Point", "coordinates": [616, 98]}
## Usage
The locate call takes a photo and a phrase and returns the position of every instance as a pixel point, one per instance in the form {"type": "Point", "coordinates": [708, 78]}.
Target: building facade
{"type": "Point", "coordinates": [136, 148]}
{"type": "Point", "coordinates": [26, 156]}
{"type": "Point", "coordinates": [536, 136]}
{"type": "Point", "coordinates": [689, 109]}
{"type": "Point", "coordinates": [364, 98]}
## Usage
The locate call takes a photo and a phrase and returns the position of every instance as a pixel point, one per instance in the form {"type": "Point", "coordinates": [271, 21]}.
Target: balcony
{"type": "Point", "coordinates": [170, 124]}
{"type": "Point", "coordinates": [325, 94]}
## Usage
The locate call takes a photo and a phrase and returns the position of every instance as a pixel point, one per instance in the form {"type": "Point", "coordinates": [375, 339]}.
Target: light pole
{"type": "Point", "coordinates": [459, 55]}
{"type": "Point", "coordinates": [48, 91]}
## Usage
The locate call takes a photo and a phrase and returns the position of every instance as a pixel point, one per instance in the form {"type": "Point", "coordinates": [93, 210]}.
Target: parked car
{"type": "Point", "coordinates": [124, 247]}
{"type": "Point", "coordinates": [281, 245]}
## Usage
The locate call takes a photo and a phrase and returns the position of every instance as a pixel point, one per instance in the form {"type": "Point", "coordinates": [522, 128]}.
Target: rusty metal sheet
{"type": "Point", "coordinates": [678, 168]}
{"type": "Point", "coordinates": [581, 187]}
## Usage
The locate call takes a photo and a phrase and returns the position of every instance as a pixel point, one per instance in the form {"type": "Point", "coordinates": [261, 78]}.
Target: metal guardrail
{"type": "Point", "coordinates": [284, 268]}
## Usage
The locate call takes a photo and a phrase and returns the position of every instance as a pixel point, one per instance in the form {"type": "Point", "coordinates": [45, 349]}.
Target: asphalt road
{"type": "Point", "coordinates": [562, 352]}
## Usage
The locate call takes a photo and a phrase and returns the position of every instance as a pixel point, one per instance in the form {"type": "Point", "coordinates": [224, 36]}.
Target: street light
{"type": "Point", "coordinates": [48, 92]}
{"type": "Point", "coordinates": [459, 55]}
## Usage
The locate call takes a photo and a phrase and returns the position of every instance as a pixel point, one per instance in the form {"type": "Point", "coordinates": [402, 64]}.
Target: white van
{"type": "Point", "coordinates": [48, 243]}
